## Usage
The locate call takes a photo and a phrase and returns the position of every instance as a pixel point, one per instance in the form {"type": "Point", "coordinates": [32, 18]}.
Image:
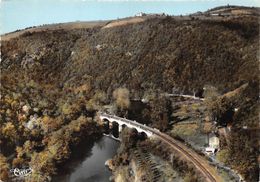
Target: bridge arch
{"type": "Point", "coordinates": [123, 126]}
{"type": "Point", "coordinates": [115, 129]}
{"type": "Point", "coordinates": [142, 135]}
{"type": "Point", "coordinates": [106, 126]}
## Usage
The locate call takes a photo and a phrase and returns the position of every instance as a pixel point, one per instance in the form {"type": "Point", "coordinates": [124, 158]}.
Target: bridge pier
{"type": "Point", "coordinates": [120, 127]}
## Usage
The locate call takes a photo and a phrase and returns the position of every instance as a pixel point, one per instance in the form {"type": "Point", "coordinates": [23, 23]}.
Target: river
{"type": "Point", "coordinates": [88, 163]}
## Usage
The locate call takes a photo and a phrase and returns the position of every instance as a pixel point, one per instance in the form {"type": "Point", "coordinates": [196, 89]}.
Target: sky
{"type": "Point", "coordinates": [19, 14]}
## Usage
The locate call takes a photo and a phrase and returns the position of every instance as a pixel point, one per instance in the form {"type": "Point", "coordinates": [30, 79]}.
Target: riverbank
{"type": "Point", "coordinates": [87, 163]}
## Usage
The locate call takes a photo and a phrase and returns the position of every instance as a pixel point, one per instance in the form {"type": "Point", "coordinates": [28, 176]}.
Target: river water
{"type": "Point", "coordinates": [88, 162]}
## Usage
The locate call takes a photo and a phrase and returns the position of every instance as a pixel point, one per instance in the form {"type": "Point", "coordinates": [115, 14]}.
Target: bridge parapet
{"type": "Point", "coordinates": [123, 121]}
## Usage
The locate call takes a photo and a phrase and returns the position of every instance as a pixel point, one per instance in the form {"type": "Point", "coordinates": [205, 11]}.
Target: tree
{"type": "Point", "coordinates": [96, 101]}
{"type": "Point", "coordinates": [122, 98]}
{"type": "Point", "coordinates": [9, 131]}
{"type": "Point", "coordinates": [210, 92]}
{"type": "Point", "coordinates": [129, 138]}
{"type": "Point", "coordinates": [190, 177]}
{"type": "Point", "coordinates": [221, 111]}
{"type": "Point", "coordinates": [223, 156]}
{"type": "Point", "coordinates": [160, 110]}
{"type": "Point", "coordinates": [243, 152]}
{"type": "Point", "coordinates": [4, 170]}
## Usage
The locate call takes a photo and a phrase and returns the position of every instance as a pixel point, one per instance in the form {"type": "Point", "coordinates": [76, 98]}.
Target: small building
{"type": "Point", "coordinates": [210, 150]}
{"type": "Point", "coordinates": [213, 144]}
{"type": "Point", "coordinates": [140, 14]}
{"type": "Point", "coordinates": [145, 100]}
{"type": "Point", "coordinates": [244, 127]}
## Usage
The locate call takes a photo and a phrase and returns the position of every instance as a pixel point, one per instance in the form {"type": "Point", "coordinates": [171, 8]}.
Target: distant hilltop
{"type": "Point", "coordinates": [214, 13]}
{"type": "Point", "coordinates": [230, 10]}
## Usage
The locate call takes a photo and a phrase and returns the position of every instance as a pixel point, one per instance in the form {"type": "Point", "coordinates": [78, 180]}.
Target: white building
{"type": "Point", "coordinates": [210, 150]}
{"type": "Point", "coordinates": [140, 14]}
{"type": "Point", "coordinates": [213, 142]}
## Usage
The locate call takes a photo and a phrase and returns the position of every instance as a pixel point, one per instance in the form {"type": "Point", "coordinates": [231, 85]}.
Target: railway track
{"type": "Point", "coordinates": [193, 159]}
{"type": "Point", "coordinates": [176, 145]}
{"type": "Point", "coordinates": [200, 163]}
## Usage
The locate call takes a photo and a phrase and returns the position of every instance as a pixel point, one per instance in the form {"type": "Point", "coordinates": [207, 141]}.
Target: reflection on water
{"type": "Point", "coordinates": [90, 166]}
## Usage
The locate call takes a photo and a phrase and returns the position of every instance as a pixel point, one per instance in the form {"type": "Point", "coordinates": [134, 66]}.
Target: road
{"type": "Point", "coordinates": [199, 162]}
{"type": "Point", "coordinates": [185, 96]}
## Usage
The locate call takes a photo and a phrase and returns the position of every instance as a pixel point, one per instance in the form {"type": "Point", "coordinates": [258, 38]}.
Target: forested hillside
{"type": "Point", "coordinates": [158, 53]}
{"type": "Point", "coordinates": [50, 80]}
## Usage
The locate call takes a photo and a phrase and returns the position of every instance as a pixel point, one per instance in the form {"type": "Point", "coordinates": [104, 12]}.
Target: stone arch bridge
{"type": "Point", "coordinates": [125, 122]}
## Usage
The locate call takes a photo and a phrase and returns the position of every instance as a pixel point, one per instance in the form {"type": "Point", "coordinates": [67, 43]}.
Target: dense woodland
{"type": "Point", "coordinates": [52, 82]}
